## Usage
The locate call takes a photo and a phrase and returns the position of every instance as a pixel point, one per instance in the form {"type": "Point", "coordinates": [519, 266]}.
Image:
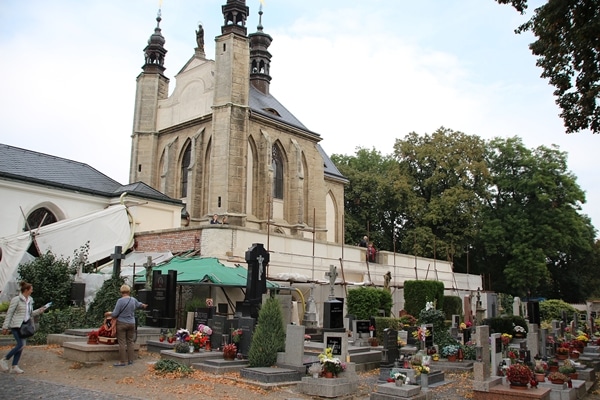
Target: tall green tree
{"type": "Point", "coordinates": [568, 51]}
{"type": "Point", "coordinates": [532, 217]}
{"type": "Point", "coordinates": [448, 178]}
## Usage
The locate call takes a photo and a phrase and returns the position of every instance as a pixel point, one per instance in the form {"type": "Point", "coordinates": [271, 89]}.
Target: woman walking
{"type": "Point", "coordinates": [124, 314]}
{"type": "Point", "coordinates": [19, 311]}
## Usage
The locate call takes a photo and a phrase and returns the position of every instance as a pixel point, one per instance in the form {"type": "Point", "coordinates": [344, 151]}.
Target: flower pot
{"type": "Point", "coordinates": [191, 349]}
{"type": "Point", "coordinates": [424, 381]}
{"type": "Point", "coordinates": [315, 375]}
{"type": "Point", "coordinates": [553, 368]}
{"type": "Point", "coordinates": [574, 375]}
{"type": "Point", "coordinates": [557, 381]}
{"type": "Point", "coordinates": [452, 358]}
{"type": "Point", "coordinates": [161, 339]}
{"type": "Point", "coordinates": [574, 356]}
{"type": "Point", "coordinates": [208, 346]}
{"type": "Point", "coordinates": [399, 382]}
{"type": "Point", "coordinates": [562, 356]}
{"type": "Point", "coordinates": [518, 385]}
{"type": "Point", "coordinates": [328, 374]}
{"type": "Point", "coordinates": [540, 377]}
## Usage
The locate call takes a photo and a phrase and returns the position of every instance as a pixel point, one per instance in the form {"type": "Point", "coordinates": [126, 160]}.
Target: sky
{"type": "Point", "coordinates": [358, 73]}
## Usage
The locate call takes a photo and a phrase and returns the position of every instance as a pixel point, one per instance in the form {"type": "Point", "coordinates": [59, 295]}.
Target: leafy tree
{"type": "Point", "coordinates": [51, 278]}
{"type": "Point", "coordinates": [448, 177]}
{"type": "Point", "coordinates": [568, 51]}
{"type": "Point", "coordinates": [531, 219]}
{"type": "Point", "coordinates": [269, 336]}
{"type": "Point", "coordinates": [552, 309]}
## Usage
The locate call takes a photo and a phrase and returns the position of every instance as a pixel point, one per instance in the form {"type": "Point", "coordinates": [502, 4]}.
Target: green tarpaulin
{"type": "Point", "coordinates": [205, 270]}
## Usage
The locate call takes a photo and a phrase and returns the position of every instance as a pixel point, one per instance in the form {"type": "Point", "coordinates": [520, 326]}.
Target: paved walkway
{"type": "Point", "coordinates": [17, 387]}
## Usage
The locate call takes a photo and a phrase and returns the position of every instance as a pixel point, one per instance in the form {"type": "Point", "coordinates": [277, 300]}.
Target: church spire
{"type": "Point", "coordinates": [235, 13]}
{"type": "Point", "coordinates": [260, 58]}
{"type": "Point", "coordinates": [154, 53]}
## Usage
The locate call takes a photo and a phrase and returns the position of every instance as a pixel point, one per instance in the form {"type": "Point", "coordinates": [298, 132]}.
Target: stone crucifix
{"type": "Point", "coordinates": [148, 265]}
{"type": "Point", "coordinates": [332, 274]}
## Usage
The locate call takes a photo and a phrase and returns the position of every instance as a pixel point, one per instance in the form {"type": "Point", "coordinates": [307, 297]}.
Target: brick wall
{"type": "Point", "coordinates": [174, 241]}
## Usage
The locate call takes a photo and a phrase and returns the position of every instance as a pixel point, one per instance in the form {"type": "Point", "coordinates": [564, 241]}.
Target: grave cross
{"type": "Point", "coordinates": [332, 274]}
{"type": "Point", "coordinates": [117, 257]}
{"type": "Point", "coordinates": [148, 265]}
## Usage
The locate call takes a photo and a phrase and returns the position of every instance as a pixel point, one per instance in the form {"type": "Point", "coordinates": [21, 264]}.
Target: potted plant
{"type": "Point", "coordinates": [557, 378]}
{"type": "Point", "coordinates": [552, 366]}
{"type": "Point", "coordinates": [331, 366]}
{"type": "Point", "coordinates": [540, 370]}
{"type": "Point", "coordinates": [170, 337]}
{"type": "Point", "coordinates": [182, 347]}
{"type": "Point", "coordinates": [574, 354]}
{"type": "Point", "coordinates": [373, 341]}
{"type": "Point", "coordinates": [519, 375]}
{"type": "Point", "coordinates": [568, 369]}
{"type": "Point", "coordinates": [450, 351]}
{"type": "Point", "coordinates": [229, 351]}
{"type": "Point", "coordinates": [562, 353]}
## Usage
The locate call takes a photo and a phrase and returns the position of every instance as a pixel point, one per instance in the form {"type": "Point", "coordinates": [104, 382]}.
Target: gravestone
{"type": "Point", "coordinates": [517, 306]}
{"type": "Point", "coordinates": [217, 324]}
{"type": "Point", "coordinates": [468, 309]}
{"type": "Point", "coordinates": [257, 258]}
{"type": "Point", "coordinates": [411, 339]}
{"type": "Point", "coordinates": [362, 327]}
{"type": "Point", "coordinates": [202, 315]}
{"type": "Point", "coordinates": [148, 266]}
{"type": "Point", "coordinates": [333, 314]}
{"type": "Point", "coordinates": [429, 337]}
{"type": "Point", "coordinates": [390, 344]}
{"type": "Point", "coordinates": [285, 301]}
{"type": "Point", "coordinates": [533, 339]}
{"type": "Point", "coordinates": [495, 352]}
{"type": "Point", "coordinates": [246, 324]}
{"type": "Point", "coordinates": [294, 346]}
{"type": "Point", "coordinates": [338, 342]}
{"type": "Point", "coordinates": [455, 320]}
{"type": "Point", "coordinates": [163, 300]}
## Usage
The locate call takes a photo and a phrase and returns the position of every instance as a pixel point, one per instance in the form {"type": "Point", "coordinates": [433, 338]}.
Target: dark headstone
{"type": "Point", "coordinates": [533, 312]}
{"type": "Point", "coordinates": [429, 337]}
{"type": "Point", "coordinates": [257, 258]}
{"type": "Point", "coordinates": [390, 343]}
{"type": "Point", "coordinates": [333, 314]}
{"type": "Point", "coordinates": [217, 324]}
{"type": "Point", "coordinates": [163, 300]}
{"type": "Point", "coordinates": [77, 293]}
{"type": "Point", "coordinates": [411, 339]}
{"type": "Point", "coordinates": [202, 315]}
{"type": "Point", "coordinates": [246, 324]}
{"type": "Point", "coordinates": [362, 326]}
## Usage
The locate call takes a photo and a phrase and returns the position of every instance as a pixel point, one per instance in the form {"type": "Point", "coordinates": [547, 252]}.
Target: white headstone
{"type": "Point", "coordinates": [517, 306]}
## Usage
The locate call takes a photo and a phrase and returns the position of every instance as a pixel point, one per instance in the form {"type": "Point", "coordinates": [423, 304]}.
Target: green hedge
{"type": "Point", "coordinates": [505, 324]}
{"type": "Point", "coordinates": [417, 293]}
{"type": "Point", "coordinates": [452, 306]}
{"type": "Point", "coordinates": [365, 302]}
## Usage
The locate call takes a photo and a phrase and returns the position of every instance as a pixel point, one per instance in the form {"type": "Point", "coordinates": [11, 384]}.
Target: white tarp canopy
{"type": "Point", "coordinates": [104, 230]}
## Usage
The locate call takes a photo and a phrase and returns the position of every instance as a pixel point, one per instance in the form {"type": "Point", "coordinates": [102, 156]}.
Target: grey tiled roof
{"type": "Point", "coordinates": [260, 101]}
{"type": "Point", "coordinates": [39, 168]}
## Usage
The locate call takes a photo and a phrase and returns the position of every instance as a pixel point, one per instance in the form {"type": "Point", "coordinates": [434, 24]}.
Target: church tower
{"type": "Point", "coordinates": [260, 58]}
{"type": "Point", "coordinates": [152, 86]}
{"type": "Point", "coordinates": [230, 114]}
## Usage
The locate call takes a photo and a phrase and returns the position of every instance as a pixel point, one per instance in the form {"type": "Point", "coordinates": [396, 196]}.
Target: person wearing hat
{"type": "Point", "coordinates": [124, 314]}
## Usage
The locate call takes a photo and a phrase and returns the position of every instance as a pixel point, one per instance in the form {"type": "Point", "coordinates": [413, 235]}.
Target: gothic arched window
{"type": "Point", "coordinates": [277, 165]}
{"type": "Point", "coordinates": [185, 164]}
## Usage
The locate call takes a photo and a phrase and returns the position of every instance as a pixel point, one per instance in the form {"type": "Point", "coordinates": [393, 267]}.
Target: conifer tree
{"type": "Point", "coordinates": [269, 335]}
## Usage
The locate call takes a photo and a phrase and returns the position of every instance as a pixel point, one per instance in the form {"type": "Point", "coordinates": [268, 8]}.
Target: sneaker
{"type": "Point", "coordinates": [130, 363]}
{"type": "Point", "coordinates": [16, 370]}
{"type": "Point", "coordinates": [3, 364]}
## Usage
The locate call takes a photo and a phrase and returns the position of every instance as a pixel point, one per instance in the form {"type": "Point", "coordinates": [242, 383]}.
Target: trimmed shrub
{"type": "Point", "coordinates": [417, 293]}
{"type": "Point", "coordinates": [505, 324]}
{"type": "Point", "coordinates": [452, 306]}
{"type": "Point", "coordinates": [365, 302]}
{"type": "Point", "coordinates": [269, 336]}
{"type": "Point", "coordinates": [552, 309]}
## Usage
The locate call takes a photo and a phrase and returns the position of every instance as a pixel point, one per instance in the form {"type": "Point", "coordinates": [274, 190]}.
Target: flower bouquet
{"type": "Point", "coordinates": [449, 350]}
{"type": "Point", "coordinates": [331, 364]}
{"type": "Point", "coordinates": [421, 369]}
{"type": "Point", "coordinates": [182, 335]}
{"type": "Point", "coordinates": [513, 355]}
{"type": "Point", "coordinates": [519, 331]}
{"type": "Point", "coordinates": [506, 338]}
{"type": "Point", "coordinates": [93, 337]}
{"type": "Point", "coordinates": [236, 335]}
{"type": "Point", "coordinates": [204, 329]}
{"type": "Point", "coordinates": [399, 377]}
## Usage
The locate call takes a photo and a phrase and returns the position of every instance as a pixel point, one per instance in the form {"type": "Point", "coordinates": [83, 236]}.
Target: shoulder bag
{"type": "Point", "coordinates": [27, 329]}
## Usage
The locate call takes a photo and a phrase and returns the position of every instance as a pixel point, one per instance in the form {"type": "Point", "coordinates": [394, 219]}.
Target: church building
{"type": "Point", "coordinates": [222, 144]}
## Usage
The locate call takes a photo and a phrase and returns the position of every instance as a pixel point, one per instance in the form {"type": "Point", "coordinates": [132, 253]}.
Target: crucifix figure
{"type": "Point", "coordinates": [148, 265]}
{"type": "Point", "coordinates": [332, 274]}
{"type": "Point", "coordinates": [260, 259]}
{"type": "Point", "coordinates": [117, 257]}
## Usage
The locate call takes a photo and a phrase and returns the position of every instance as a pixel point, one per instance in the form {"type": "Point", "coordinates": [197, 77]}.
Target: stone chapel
{"type": "Point", "coordinates": [224, 145]}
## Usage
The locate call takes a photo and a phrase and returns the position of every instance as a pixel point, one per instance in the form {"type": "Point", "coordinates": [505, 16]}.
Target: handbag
{"type": "Point", "coordinates": [27, 329]}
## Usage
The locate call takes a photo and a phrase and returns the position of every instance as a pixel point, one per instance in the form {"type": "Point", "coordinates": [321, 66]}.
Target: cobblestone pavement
{"type": "Point", "coordinates": [16, 387]}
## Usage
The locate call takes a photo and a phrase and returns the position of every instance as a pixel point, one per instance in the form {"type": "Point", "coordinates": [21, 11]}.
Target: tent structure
{"type": "Point", "coordinates": [104, 230]}
{"type": "Point", "coordinates": [205, 271]}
